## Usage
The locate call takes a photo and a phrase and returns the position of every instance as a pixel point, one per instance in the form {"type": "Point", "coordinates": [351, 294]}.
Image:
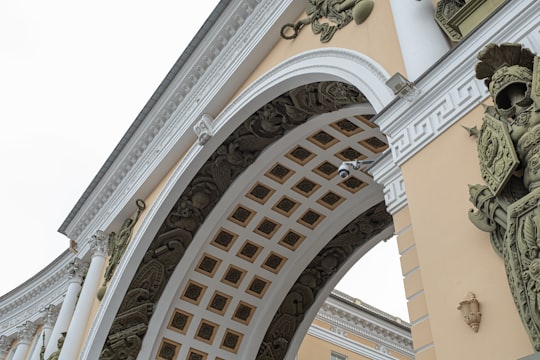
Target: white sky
{"type": "Point", "coordinates": [73, 77]}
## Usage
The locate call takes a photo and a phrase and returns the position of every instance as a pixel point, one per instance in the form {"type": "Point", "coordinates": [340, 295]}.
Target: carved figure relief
{"type": "Point", "coordinates": [509, 155]}
{"type": "Point", "coordinates": [204, 191]}
{"type": "Point", "coordinates": [328, 16]}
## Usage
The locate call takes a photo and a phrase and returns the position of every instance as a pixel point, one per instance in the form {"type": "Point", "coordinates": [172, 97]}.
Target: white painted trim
{"type": "Point", "coordinates": [387, 173]}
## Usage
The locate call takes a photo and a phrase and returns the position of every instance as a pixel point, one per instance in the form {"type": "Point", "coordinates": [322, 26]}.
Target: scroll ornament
{"type": "Point", "coordinates": [508, 206]}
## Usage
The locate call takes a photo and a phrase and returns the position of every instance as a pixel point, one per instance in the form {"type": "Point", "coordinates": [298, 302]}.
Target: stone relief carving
{"type": "Point", "coordinates": [56, 354]}
{"type": "Point", "coordinates": [509, 156]}
{"type": "Point", "coordinates": [336, 14]}
{"type": "Point", "coordinates": [304, 291]}
{"type": "Point", "coordinates": [231, 158]}
{"type": "Point", "coordinates": [445, 10]}
{"type": "Point", "coordinates": [117, 245]}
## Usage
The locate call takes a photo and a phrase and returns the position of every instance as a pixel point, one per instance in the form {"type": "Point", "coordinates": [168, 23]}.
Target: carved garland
{"type": "Point", "coordinates": [234, 155]}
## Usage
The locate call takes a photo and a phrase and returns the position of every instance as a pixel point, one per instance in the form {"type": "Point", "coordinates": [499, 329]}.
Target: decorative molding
{"type": "Point", "coordinates": [388, 174]}
{"type": "Point", "coordinates": [367, 326]}
{"type": "Point", "coordinates": [450, 90]}
{"type": "Point", "coordinates": [348, 344]}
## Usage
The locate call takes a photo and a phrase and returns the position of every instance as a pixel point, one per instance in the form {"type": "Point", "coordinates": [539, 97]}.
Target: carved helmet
{"type": "Point", "coordinates": [507, 70]}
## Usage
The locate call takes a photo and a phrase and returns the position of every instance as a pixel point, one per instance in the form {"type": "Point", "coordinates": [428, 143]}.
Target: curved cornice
{"type": "Point", "coordinates": [361, 323]}
{"type": "Point", "coordinates": [26, 302]}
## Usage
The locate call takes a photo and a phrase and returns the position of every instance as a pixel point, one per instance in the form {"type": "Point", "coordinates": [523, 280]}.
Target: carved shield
{"type": "Point", "coordinates": [521, 253]}
{"type": "Point", "coordinates": [496, 153]}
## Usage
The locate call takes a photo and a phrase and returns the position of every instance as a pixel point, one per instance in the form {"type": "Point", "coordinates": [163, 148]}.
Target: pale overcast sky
{"type": "Point", "coordinates": [73, 76]}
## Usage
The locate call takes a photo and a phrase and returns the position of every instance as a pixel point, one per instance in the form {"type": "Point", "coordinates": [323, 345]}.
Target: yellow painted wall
{"type": "Point", "coordinates": [454, 257]}
{"type": "Point", "coordinates": [314, 349]}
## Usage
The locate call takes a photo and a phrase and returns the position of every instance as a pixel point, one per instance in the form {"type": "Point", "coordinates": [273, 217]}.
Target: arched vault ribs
{"type": "Point", "coordinates": [232, 157]}
{"type": "Point", "coordinates": [304, 291]}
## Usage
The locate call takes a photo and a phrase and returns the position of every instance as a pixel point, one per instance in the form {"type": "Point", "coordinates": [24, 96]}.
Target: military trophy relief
{"type": "Point", "coordinates": [326, 17]}
{"type": "Point", "coordinates": [117, 245]}
{"type": "Point", "coordinates": [508, 143]}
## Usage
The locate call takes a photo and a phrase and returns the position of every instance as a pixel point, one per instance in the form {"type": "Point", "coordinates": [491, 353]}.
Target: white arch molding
{"type": "Point", "coordinates": [312, 66]}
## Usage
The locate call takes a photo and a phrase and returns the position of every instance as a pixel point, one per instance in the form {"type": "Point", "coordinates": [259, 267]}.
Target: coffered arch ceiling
{"type": "Point", "coordinates": [255, 239]}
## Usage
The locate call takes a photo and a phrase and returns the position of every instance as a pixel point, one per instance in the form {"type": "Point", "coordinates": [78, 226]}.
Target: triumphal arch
{"type": "Point", "coordinates": [288, 139]}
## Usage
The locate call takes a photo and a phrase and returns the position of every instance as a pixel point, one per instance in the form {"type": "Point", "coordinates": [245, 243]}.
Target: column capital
{"type": "Point", "coordinates": [26, 332]}
{"type": "Point", "coordinates": [50, 314]}
{"type": "Point", "coordinates": [5, 344]}
{"type": "Point", "coordinates": [75, 270]}
{"type": "Point", "coordinates": [99, 243]}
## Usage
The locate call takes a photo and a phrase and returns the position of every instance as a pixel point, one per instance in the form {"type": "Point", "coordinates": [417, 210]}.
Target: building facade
{"type": "Point", "coordinates": [347, 328]}
{"type": "Point", "coordinates": [279, 149]}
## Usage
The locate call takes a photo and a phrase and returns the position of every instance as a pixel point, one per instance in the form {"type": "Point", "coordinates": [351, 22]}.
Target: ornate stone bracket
{"type": "Point", "coordinates": [470, 309]}
{"type": "Point", "coordinates": [203, 128]}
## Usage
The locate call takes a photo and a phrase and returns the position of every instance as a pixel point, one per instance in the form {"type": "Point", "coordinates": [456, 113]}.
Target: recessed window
{"type": "Point", "coordinates": [336, 356]}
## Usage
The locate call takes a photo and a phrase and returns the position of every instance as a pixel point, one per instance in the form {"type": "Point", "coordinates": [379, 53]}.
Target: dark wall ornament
{"type": "Point", "coordinates": [194, 204]}
{"type": "Point", "coordinates": [509, 156]}
{"type": "Point", "coordinates": [328, 16]}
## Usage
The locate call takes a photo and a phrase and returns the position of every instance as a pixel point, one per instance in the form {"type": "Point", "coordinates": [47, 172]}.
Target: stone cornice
{"type": "Point", "coordinates": [164, 134]}
{"type": "Point", "coordinates": [449, 90]}
{"type": "Point", "coordinates": [340, 341]}
{"type": "Point", "coordinates": [26, 302]}
{"type": "Point", "coordinates": [363, 324]}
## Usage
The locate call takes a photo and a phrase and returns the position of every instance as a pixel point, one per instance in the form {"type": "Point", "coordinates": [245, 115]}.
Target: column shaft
{"type": "Point", "coordinates": [66, 311]}
{"type": "Point", "coordinates": [421, 40]}
{"type": "Point", "coordinates": [80, 320]}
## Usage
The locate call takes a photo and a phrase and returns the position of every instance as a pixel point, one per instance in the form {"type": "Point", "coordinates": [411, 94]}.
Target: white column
{"type": "Point", "coordinates": [5, 345]}
{"type": "Point", "coordinates": [49, 319]}
{"type": "Point", "coordinates": [93, 279]}
{"type": "Point", "coordinates": [25, 335]}
{"type": "Point", "coordinates": [74, 272]}
{"type": "Point", "coordinates": [421, 40]}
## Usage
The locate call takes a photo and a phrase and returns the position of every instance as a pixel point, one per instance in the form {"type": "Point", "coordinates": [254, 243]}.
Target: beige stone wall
{"type": "Point", "coordinates": [444, 257]}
